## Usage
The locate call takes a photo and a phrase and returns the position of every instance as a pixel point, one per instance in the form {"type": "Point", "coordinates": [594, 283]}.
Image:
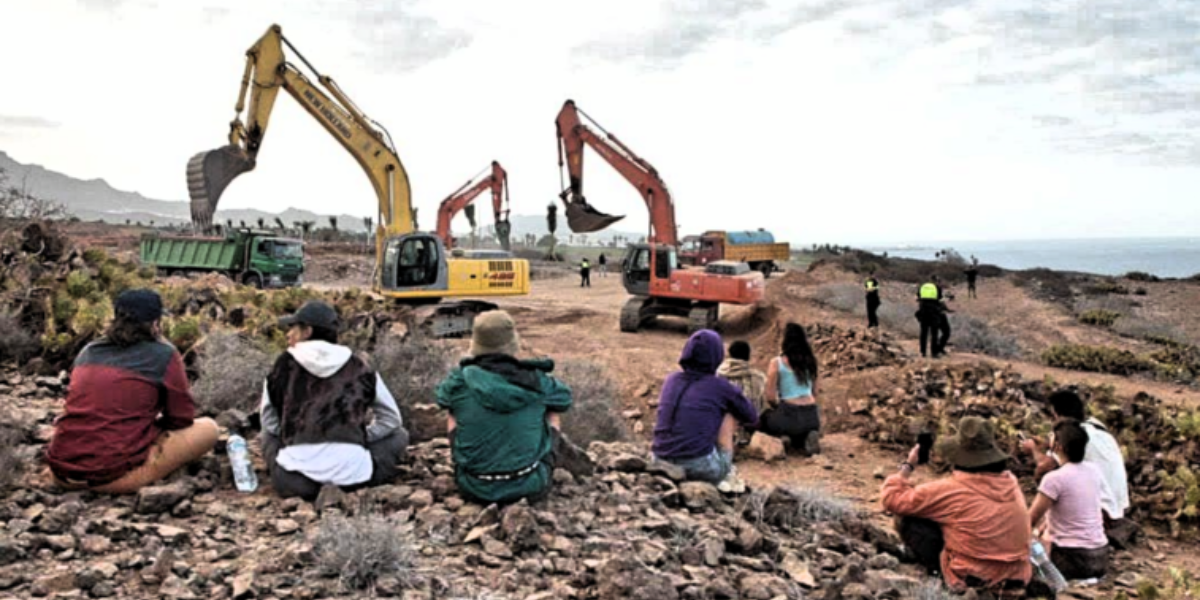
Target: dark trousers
{"type": "Point", "coordinates": [873, 309]}
{"type": "Point", "coordinates": [1080, 563]}
{"type": "Point", "coordinates": [935, 332]}
{"type": "Point", "coordinates": [585, 278]}
{"type": "Point", "coordinates": [385, 454]}
{"type": "Point", "coordinates": [791, 421]}
{"type": "Point", "coordinates": [970, 288]}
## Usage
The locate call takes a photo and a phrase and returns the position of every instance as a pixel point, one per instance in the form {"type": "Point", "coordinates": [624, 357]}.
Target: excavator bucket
{"type": "Point", "coordinates": [208, 174]}
{"type": "Point", "coordinates": [583, 218]}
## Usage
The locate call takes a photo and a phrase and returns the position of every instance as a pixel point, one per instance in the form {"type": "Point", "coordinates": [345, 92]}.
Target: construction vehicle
{"type": "Point", "coordinates": [255, 257]}
{"type": "Point", "coordinates": [757, 249]}
{"type": "Point", "coordinates": [411, 267]}
{"type": "Point", "coordinates": [462, 198]}
{"type": "Point", "coordinates": [650, 271]}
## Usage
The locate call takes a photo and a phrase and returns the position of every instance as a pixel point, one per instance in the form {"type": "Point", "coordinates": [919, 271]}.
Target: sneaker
{"type": "Point", "coordinates": [732, 484]}
{"type": "Point", "coordinates": [812, 443]}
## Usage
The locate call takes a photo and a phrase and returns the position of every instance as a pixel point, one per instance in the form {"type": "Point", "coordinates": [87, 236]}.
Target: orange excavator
{"type": "Point", "coordinates": [461, 199]}
{"type": "Point", "coordinates": [650, 271]}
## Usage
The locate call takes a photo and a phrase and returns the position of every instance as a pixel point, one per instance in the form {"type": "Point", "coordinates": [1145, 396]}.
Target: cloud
{"type": "Point", "coordinates": [688, 27]}
{"type": "Point", "coordinates": [27, 122]}
{"type": "Point", "coordinates": [396, 37]}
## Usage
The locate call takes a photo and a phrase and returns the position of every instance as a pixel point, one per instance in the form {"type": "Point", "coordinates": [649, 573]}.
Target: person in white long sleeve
{"type": "Point", "coordinates": [317, 408]}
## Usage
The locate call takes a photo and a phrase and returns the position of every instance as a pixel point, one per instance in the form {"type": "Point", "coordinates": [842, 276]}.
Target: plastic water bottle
{"type": "Point", "coordinates": [239, 459]}
{"type": "Point", "coordinates": [1047, 572]}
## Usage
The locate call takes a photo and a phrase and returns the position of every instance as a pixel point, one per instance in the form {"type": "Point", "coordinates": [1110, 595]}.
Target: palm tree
{"type": "Point", "coordinates": [333, 224]}
{"type": "Point", "coordinates": [305, 227]}
{"type": "Point", "coordinates": [261, 223]}
{"type": "Point", "coordinates": [279, 223]}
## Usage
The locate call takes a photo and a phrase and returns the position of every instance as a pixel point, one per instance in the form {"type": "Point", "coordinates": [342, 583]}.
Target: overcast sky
{"type": "Point", "coordinates": [856, 121]}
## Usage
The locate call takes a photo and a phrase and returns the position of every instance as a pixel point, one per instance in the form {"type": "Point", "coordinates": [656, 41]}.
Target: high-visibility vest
{"type": "Point", "coordinates": [872, 285]}
{"type": "Point", "coordinates": [586, 264]}
{"type": "Point", "coordinates": [929, 291]}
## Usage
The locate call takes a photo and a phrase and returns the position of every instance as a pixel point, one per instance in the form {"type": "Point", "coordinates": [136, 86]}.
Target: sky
{"type": "Point", "coordinates": [845, 121]}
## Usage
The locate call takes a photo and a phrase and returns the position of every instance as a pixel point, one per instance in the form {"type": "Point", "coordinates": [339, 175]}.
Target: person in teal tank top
{"type": "Point", "coordinates": [791, 392]}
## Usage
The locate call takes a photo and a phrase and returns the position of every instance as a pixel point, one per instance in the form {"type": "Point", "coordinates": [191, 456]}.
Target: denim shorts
{"type": "Point", "coordinates": [713, 467]}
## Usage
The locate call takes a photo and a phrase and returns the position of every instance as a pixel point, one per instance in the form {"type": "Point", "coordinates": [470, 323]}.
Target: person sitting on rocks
{"type": "Point", "coordinates": [1104, 452]}
{"type": "Point", "coordinates": [504, 416]}
{"type": "Point", "coordinates": [699, 413]}
{"type": "Point", "coordinates": [129, 418]}
{"type": "Point", "coordinates": [752, 382]}
{"type": "Point", "coordinates": [972, 526]}
{"type": "Point", "coordinates": [317, 408]}
{"type": "Point", "coordinates": [792, 393]}
{"type": "Point", "coordinates": [1069, 500]}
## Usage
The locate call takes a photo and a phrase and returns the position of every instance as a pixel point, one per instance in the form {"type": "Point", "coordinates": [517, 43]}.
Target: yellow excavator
{"type": "Point", "coordinates": [410, 266]}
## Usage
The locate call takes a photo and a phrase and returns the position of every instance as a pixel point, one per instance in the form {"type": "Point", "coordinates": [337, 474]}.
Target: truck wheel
{"type": "Point", "coordinates": [253, 281]}
{"type": "Point", "coordinates": [767, 268]}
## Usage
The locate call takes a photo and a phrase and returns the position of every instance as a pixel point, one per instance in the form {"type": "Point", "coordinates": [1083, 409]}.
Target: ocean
{"type": "Point", "coordinates": [1164, 257]}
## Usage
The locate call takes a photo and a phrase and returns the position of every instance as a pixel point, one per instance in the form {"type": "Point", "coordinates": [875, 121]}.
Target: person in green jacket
{"type": "Point", "coordinates": [504, 416]}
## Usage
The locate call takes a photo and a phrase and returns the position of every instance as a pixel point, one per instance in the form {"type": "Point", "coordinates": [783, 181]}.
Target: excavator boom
{"type": "Point", "coordinates": [497, 182]}
{"type": "Point", "coordinates": [267, 71]}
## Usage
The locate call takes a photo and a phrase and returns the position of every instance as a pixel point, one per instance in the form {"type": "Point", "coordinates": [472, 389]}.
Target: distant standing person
{"type": "Point", "coordinates": [872, 286]}
{"type": "Point", "coordinates": [972, 273]}
{"type": "Point", "coordinates": [585, 273]}
{"type": "Point", "coordinates": [603, 262]}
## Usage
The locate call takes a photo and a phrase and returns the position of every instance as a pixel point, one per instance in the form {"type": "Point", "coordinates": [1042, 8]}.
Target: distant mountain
{"type": "Point", "coordinates": [96, 200]}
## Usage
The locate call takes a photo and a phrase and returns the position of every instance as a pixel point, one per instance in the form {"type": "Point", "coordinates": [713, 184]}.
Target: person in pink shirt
{"type": "Point", "coordinates": [1069, 501]}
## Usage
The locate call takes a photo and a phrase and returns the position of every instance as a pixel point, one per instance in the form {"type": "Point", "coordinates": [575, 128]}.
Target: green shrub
{"type": "Point", "coordinates": [973, 335]}
{"type": "Point", "coordinates": [1097, 359]}
{"type": "Point", "coordinates": [1099, 317]}
{"type": "Point", "coordinates": [95, 256]}
{"type": "Point", "coordinates": [80, 284]}
{"type": "Point", "coordinates": [1106, 286]}
{"type": "Point", "coordinates": [16, 343]}
{"type": "Point", "coordinates": [183, 332]}
{"type": "Point", "coordinates": [1141, 276]}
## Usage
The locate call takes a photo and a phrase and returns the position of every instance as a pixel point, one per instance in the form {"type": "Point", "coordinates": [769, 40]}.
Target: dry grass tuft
{"type": "Point", "coordinates": [232, 371]}
{"type": "Point", "coordinates": [361, 550]}
{"type": "Point", "coordinates": [595, 408]}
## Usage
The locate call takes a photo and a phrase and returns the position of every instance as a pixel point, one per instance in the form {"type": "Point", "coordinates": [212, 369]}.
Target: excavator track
{"type": "Point", "coordinates": [702, 317]}
{"type": "Point", "coordinates": [454, 319]}
{"type": "Point", "coordinates": [631, 314]}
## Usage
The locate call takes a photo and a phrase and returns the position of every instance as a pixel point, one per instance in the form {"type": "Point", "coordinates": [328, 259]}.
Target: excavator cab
{"type": "Point", "coordinates": [414, 262]}
{"type": "Point", "coordinates": [637, 271]}
{"type": "Point", "coordinates": [208, 174]}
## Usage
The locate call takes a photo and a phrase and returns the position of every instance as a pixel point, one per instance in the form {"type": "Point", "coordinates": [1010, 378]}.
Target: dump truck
{"type": "Point", "coordinates": [253, 257]}
{"type": "Point", "coordinates": [755, 248]}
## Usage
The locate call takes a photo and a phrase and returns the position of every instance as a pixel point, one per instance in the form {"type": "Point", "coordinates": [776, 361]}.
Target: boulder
{"type": "Point", "coordinates": [628, 579]}
{"type": "Point", "coordinates": [161, 498]}
{"type": "Point", "coordinates": [765, 448]}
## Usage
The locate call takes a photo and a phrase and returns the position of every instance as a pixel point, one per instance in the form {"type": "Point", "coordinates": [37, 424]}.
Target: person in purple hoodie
{"type": "Point", "coordinates": [699, 413]}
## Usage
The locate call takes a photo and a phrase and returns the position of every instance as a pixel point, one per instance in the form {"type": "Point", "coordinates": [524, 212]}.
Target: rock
{"type": "Point", "coordinates": [10, 551]}
{"type": "Point", "coordinates": [765, 448]}
{"type": "Point", "coordinates": [175, 588]}
{"type": "Point", "coordinates": [798, 570]}
{"type": "Point", "coordinates": [572, 458]}
{"type": "Point", "coordinates": [627, 579]}
{"type": "Point", "coordinates": [171, 535]}
{"type": "Point", "coordinates": [160, 498]}
{"type": "Point", "coordinates": [442, 486]}
{"type": "Point", "coordinates": [699, 494]}
{"type": "Point", "coordinates": [882, 582]}
{"type": "Point", "coordinates": [89, 577]}
{"type": "Point", "coordinates": [63, 581]}
{"type": "Point", "coordinates": [720, 589]}
{"type": "Point", "coordinates": [713, 549]}
{"type": "Point", "coordinates": [236, 421]}
{"type": "Point", "coordinates": [420, 499]}
{"type": "Point", "coordinates": [627, 463]}
{"type": "Point", "coordinates": [95, 544]}
{"type": "Point", "coordinates": [883, 562]}
{"type": "Point", "coordinates": [760, 586]}
{"type": "Point", "coordinates": [496, 548]}
{"type": "Point", "coordinates": [749, 540]}
{"type": "Point", "coordinates": [243, 585]}
{"type": "Point", "coordinates": [673, 472]}
{"type": "Point", "coordinates": [182, 510]}
{"type": "Point", "coordinates": [103, 589]}
{"type": "Point", "coordinates": [61, 518]}
{"type": "Point", "coordinates": [284, 526]}
{"type": "Point", "coordinates": [330, 496]}
{"type": "Point", "coordinates": [632, 414]}
{"type": "Point", "coordinates": [478, 533]}
{"type": "Point", "coordinates": [425, 422]}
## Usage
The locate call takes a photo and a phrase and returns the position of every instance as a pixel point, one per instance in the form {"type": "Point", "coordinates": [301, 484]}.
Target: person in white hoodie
{"type": "Point", "coordinates": [317, 409]}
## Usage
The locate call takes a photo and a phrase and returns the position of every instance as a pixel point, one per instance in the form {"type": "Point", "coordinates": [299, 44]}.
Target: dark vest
{"type": "Point", "coordinates": [313, 410]}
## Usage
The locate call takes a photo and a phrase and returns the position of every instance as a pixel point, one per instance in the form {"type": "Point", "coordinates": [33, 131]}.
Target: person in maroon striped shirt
{"type": "Point", "coordinates": [129, 418]}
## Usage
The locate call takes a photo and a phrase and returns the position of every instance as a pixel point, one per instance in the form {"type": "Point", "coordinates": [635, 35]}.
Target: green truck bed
{"type": "Point", "coordinates": [216, 254]}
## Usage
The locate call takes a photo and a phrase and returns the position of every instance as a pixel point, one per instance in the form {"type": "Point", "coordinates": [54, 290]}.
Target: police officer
{"type": "Point", "coordinates": [931, 314]}
{"type": "Point", "coordinates": [872, 287]}
{"type": "Point", "coordinates": [585, 274]}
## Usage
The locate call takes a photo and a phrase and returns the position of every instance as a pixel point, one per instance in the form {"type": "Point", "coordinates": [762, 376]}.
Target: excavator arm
{"type": "Point", "coordinates": [267, 71]}
{"type": "Point", "coordinates": [573, 135]}
{"type": "Point", "coordinates": [497, 181]}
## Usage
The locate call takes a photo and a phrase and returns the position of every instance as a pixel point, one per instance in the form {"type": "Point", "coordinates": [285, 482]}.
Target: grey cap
{"type": "Point", "coordinates": [314, 313]}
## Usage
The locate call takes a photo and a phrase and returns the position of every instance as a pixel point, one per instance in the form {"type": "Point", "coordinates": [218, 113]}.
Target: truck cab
{"type": "Point", "coordinates": [274, 261]}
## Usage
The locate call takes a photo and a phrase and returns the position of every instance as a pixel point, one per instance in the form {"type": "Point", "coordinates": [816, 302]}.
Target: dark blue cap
{"type": "Point", "coordinates": [140, 305]}
{"type": "Point", "coordinates": [314, 313]}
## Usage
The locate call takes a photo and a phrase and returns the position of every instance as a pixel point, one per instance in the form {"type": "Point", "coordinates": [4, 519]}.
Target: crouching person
{"type": "Point", "coordinates": [317, 408]}
{"type": "Point", "coordinates": [129, 418]}
{"type": "Point", "coordinates": [972, 526]}
{"type": "Point", "coordinates": [699, 413]}
{"type": "Point", "coordinates": [504, 416]}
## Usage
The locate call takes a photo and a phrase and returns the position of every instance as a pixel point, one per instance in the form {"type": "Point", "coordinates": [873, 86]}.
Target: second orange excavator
{"type": "Point", "coordinates": [650, 271]}
{"type": "Point", "coordinates": [462, 198]}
